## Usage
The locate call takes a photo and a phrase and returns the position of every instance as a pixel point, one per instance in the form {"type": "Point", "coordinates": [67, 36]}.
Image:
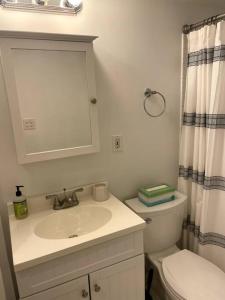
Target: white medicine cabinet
{"type": "Point", "coordinates": [51, 90]}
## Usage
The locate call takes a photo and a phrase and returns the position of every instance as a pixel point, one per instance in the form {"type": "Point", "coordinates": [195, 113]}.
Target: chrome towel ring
{"type": "Point", "coordinates": [148, 93]}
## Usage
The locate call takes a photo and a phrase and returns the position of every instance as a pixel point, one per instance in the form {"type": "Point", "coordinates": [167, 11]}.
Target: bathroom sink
{"type": "Point", "coordinates": [73, 222]}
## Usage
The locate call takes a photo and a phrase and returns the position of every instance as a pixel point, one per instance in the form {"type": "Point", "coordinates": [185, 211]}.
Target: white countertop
{"type": "Point", "coordinates": [30, 250]}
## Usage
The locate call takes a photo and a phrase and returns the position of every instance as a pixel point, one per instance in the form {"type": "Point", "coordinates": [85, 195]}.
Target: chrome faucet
{"type": "Point", "coordinates": [69, 199]}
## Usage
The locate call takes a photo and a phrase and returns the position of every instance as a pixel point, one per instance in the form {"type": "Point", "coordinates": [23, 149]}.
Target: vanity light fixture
{"type": "Point", "coordinates": [49, 6]}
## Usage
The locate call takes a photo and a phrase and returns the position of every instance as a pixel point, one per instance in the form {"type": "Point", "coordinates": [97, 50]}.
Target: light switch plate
{"type": "Point", "coordinates": [117, 143]}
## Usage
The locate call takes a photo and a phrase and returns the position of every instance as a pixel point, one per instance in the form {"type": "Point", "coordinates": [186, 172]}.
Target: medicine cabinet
{"type": "Point", "coordinates": [50, 85]}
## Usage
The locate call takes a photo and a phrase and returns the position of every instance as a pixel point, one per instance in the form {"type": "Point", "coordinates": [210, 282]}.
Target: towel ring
{"type": "Point", "coordinates": [148, 93]}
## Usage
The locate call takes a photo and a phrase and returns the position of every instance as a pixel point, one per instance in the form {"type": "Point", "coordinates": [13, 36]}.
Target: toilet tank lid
{"type": "Point", "coordinates": [139, 207]}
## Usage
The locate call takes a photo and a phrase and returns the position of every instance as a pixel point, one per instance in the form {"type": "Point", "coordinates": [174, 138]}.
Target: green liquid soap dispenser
{"type": "Point", "coordinates": [20, 204]}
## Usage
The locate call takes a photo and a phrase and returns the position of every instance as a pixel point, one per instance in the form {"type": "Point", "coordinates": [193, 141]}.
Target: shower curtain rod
{"type": "Point", "coordinates": [212, 20]}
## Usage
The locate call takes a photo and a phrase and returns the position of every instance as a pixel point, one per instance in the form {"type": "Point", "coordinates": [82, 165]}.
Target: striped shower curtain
{"type": "Point", "coordinates": [202, 149]}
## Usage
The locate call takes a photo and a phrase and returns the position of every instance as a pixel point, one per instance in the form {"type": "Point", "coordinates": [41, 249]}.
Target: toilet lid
{"type": "Point", "coordinates": [192, 277]}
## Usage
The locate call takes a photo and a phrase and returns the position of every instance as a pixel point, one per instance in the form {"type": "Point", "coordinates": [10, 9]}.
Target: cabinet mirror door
{"type": "Point", "coordinates": [51, 92]}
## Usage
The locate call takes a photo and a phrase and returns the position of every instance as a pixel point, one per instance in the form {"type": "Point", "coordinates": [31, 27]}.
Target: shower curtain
{"type": "Point", "coordinates": [202, 149]}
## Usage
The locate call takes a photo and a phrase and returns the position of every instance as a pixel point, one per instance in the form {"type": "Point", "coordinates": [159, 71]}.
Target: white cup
{"type": "Point", "coordinates": [100, 192]}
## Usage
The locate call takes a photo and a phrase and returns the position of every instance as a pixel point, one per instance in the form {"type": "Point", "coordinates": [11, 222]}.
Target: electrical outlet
{"type": "Point", "coordinates": [117, 143]}
{"type": "Point", "coordinates": [29, 124]}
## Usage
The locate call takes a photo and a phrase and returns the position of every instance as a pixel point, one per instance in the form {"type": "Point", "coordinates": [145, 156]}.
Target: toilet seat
{"type": "Point", "coordinates": [191, 277]}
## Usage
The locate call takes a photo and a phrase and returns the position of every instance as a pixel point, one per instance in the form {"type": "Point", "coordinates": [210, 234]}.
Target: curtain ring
{"type": "Point", "coordinates": [214, 19]}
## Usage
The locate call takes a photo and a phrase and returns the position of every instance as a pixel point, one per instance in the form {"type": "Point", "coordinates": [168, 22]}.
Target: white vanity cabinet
{"type": "Point", "coordinates": [105, 264]}
{"type": "Point", "coordinates": [122, 281]}
{"type": "Point", "coordinates": [111, 270]}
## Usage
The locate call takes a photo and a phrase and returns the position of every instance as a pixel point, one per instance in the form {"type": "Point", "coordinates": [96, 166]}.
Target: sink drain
{"type": "Point", "coordinates": [72, 236]}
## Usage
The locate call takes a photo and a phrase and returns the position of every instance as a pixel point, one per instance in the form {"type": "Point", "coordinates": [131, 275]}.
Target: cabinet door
{"type": "Point", "coordinates": [73, 290]}
{"type": "Point", "coordinates": [123, 281]}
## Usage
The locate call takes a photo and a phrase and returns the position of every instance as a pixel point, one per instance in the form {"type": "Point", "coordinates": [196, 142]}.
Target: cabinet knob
{"type": "Point", "coordinates": [97, 288]}
{"type": "Point", "coordinates": [93, 100]}
{"type": "Point", "coordinates": [84, 294]}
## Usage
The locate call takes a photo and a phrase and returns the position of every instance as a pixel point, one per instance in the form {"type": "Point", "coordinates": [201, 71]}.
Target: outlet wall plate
{"type": "Point", "coordinates": [29, 124]}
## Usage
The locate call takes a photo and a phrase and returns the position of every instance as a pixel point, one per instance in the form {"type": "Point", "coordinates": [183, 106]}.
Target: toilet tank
{"type": "Point", "coordinates": [163, 222]}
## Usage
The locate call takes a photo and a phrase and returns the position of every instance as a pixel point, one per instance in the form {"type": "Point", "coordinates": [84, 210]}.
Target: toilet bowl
{"type": "Point", "coordinates": [183, 274]}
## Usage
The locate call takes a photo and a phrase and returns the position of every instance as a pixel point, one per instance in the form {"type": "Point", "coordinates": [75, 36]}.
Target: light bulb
{"type": "Point", "coordinates": [74, 3]}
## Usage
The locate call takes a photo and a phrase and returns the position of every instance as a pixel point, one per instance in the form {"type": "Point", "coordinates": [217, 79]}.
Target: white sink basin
{"type": "Point", "coordinates": [73, 222]}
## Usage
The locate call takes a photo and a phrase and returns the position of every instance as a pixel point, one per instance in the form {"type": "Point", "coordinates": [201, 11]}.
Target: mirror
{"type": "Point", "coordinates": [52, 93]}
{"type": "Point", "coordinates": [52, 88]}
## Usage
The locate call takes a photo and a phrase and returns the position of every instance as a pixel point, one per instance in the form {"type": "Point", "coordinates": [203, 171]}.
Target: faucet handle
{"type": "Point", "coordinates": [74, 195]}
{"type": "Point", "coordinates": [55, 198]}
{"type": "Point", "coordinates": [78, 190]}
{"type": "Point", "coordinates": [51, 196]}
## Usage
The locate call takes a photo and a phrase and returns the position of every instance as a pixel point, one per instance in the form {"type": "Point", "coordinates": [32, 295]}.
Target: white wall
{"type": "Point", "coordinates": [138, 47]}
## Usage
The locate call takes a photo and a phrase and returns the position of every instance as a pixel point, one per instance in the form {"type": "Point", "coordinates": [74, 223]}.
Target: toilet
{"type": "Point", "coordinates": [184, 275]}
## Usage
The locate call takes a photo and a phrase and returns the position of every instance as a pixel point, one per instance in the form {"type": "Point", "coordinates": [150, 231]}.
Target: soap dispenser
{"type": "Point", "coordinates": [20, 204]}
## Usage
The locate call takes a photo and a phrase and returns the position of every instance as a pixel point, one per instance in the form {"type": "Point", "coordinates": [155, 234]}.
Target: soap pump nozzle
{"type": "Point", "coordinates": [18, 191]}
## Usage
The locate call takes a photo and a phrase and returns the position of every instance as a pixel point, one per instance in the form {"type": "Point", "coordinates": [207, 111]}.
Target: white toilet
{"type": "Point", "coordinates": [184, 274]}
